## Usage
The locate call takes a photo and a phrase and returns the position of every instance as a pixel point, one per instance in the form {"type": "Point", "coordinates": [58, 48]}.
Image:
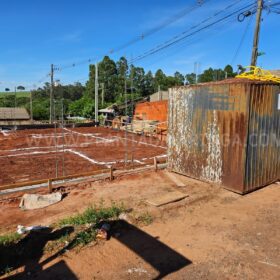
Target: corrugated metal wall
{"type": "Point", "coordinates": [208, 133]}
{"type": "Point", "coordinates": [263, 150]}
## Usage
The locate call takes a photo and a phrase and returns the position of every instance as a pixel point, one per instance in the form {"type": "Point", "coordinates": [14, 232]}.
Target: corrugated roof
{"type": "Point", "coordinates": [230, 81]}
{"type": "Point", "coordinates": [13, 114]}
{"type": "Point", "coordinates": [275, 72]}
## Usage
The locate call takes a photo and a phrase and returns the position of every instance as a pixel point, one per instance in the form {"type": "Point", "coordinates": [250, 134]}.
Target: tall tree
{"type": "Point", "coordinates": [107, 74]}
{"type": "Point", "coordinates": [191, 78]}
{"type": "Point", "coordinates": [137, 74]}
{"type": "Point", "coordinates": [160, 80]}
{"type": "Point", "coordinates": [149, 84]}
{"type": "Point", "coordinates": [229, 72]}
{"type": "Point", "coordinates": [179, 79]}
{"type": "Point", "coordinates": [122, 72]}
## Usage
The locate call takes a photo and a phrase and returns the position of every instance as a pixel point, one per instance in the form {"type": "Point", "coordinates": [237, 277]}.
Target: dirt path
{"type": "Point", "coordinates": [212, 234]}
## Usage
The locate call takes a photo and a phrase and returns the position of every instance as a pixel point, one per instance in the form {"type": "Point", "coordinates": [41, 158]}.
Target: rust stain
{"type": "Point", "coordinates": [210, 128]}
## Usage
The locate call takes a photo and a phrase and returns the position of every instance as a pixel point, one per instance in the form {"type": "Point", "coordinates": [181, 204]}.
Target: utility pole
{"type": "Point", "coordinates": [63, 140]}
{"type": "Point", "coordinates": [96, 93]}
{"type": "Point", "coordinates": [257, 34]}
{"type": "Point", "coordinates": [132, 95]}
{"type": "Point", "coordinates": [126, 114]}
{"type": "Point", "coordinates": [51, 94]}
{"type": "Point", "coordinates": [195, 71]}
{"type": "Point", "coordinates": [15, 97]}
{"type": "Point", "coordinates": [103, 93]}
{"type": "Point", "coordinates": [31, 107]}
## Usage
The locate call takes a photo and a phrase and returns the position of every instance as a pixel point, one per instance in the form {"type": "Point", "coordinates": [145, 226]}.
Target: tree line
{"type": "Point", "coordinates": [118, 82]}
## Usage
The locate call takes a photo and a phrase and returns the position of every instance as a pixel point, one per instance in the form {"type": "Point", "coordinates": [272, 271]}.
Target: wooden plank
{"type": "Point", "coordinates": [38, 182]}
{"type": "Point", "coordinates": [166, 198]}
{"type": "Point", "coordinates": [101, 171]}
{"type": "Point", "coordinates": [23, 184]}
{"type": "Point", "coordinates": [172, 176]}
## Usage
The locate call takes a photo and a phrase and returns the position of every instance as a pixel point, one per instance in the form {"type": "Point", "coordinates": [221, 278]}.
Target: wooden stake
{"type": "Point", "coordinates": [132, 161]}
{"type": "Point", "coordinates": [155, 163]}
{"type": "Point", "coordinates": [111, 173]}
{"type": "Point", "coordinates": [50, 185]}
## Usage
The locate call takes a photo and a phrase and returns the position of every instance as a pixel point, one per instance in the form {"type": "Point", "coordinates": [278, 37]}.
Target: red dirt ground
{"type": "Point", "coordinates": [32, 154]}
{"type": "Point", "coordinates": [212, 234]}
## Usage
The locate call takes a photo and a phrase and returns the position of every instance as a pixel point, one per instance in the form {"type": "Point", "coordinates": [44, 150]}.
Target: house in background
{"type": "Point", "coordinates": [159, 96]}
{"type": "Point", "coordinates": [14, 116]}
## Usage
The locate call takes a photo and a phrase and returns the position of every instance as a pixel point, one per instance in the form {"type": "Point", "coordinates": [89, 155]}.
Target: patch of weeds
{"type": "Point", "coordinates": [85, 224]}
{"type": "Point", "coordinates": [7, 271]}
{"type": "Point", "coordinates": [94, 215]}
{"type": "Point", "coordinates": [145, 219]}
{"type": "Point", "coordinates": [63, 241]}
{"type": "Point", "coordinates": [8, 239]}
{"type": "Point", "coordinates": [84, 237]}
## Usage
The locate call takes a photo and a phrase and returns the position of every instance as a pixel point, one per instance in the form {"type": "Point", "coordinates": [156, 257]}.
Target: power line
{"type": "Point", "coordinates": [241, 41]}
{"type": "Point", "coordinates": [190, 41]}
{"type": "Point", "coordinates": [144, 35]}
{"type": "Point", "coordinates": [179, 37]}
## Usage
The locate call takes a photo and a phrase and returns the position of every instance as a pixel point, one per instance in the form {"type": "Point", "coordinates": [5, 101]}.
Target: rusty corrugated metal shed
{"type": "Point", "coordinates": [226, 132]}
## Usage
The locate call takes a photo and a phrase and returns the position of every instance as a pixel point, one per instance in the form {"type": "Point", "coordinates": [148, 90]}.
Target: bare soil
{"type": "Point", "coordinates": [212, 234]}
{"type": "Point", "coordinates": [29, 155]}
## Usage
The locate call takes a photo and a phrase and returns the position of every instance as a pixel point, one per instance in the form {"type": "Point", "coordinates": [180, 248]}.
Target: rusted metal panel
{"type": "Point", "coordinates": [263, 150]}
{"type": "Point", "coordinates": [209, 128]}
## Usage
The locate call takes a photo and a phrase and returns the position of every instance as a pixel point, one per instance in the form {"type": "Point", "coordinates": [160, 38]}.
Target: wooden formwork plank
{"type": "Point", "coordinates": [38, 182]}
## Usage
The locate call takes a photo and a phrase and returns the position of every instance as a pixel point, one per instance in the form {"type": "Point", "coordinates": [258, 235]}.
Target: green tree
{"type": "Point", "coordinates": [179, 79]}
{"type": "Point", "coordinates": [160, 80]}
{"type": "Point", "coordinates": [107, 74]}
{"type": "Point", "coordinates": [229, 72]}
{"type": "Point", "coordinates": [83, 107]}
{"type": "Point", "coordinates": [137, 75]}
{"type": "Point", "coordinates": [191, 78]}
{"type": "Point", "coordinates": [149, 84]}
{"type": "Point", "coordinates": [207, 76]}
{"type": "Point", "coordinates": [122, 72]}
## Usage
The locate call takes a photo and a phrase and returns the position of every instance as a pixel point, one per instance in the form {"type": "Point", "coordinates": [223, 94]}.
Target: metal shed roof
{"type": "Point", "coordinates": [13, 114]}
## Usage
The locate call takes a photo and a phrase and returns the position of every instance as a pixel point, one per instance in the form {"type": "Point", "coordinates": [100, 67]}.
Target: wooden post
{"type": "Point", "coordinates": [155, 163]}
{"type": "Point", "coordinates": [50, 185]}
{"type": "Point", "coordinates": [132, 161]}
{"type": "Point", "coordinates": [111, 173]}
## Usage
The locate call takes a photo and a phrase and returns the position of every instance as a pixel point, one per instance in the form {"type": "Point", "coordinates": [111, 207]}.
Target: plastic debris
{"type": "Point", "coordinates": [22, 229]}
{"type": "Point", "coordinates": [103, 232]}
{"type": "Point", "coordinates": [37, 201]}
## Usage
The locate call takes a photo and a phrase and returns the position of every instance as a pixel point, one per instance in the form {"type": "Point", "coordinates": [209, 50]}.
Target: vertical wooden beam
{"type": "Point", "coordinates": [132, 161]}
{"type": "Point", "coordinates": [111, 173]}
{"type": "Point", "coordinates": [155, 163]}
{"type": "Point", "coordinates": [50, 185]}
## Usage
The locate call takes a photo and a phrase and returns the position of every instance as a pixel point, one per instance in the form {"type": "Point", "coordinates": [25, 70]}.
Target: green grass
{"type": "Point", "coordinates": [84, 237]}
{"type": "Point", "coordinates": [8, 239]}
{"type": "Point", "coordinates": [85, 224]}
{"type": "Point", "coordinates": [19, 94]}
{"type": "Point", "coordinates": [145, 219]}
{"type": "Point", "coordinates": [93, 215]}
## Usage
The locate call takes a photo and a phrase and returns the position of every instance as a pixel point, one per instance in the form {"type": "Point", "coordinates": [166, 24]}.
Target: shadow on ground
{"type": "Point", "coordinates": [28, 252]}
{"type": "Point", "coordinates": [161, 257]}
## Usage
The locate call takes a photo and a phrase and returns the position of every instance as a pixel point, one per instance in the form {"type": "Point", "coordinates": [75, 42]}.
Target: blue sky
{"type": "Point", "coordinates": [36, 33]}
